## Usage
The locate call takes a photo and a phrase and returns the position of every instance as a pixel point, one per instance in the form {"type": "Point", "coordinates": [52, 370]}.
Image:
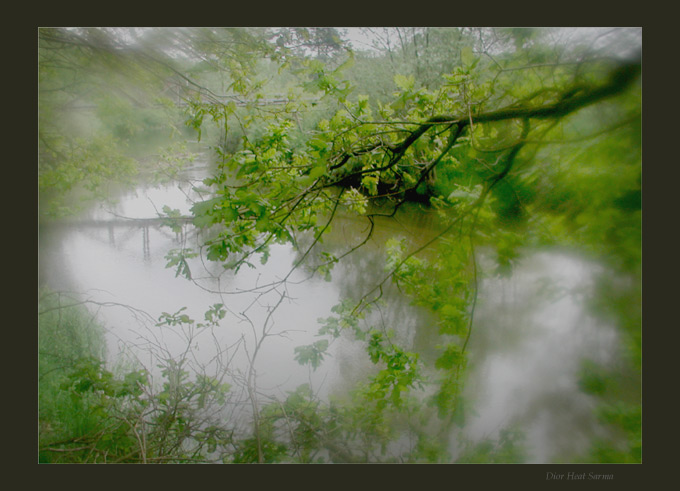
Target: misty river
{"type": "Point", "coordinates": [531, 330]}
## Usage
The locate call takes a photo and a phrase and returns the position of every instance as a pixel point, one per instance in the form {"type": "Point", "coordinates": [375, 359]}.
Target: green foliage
{"type": "Point", "coordinates": [88, 413]}
{"type": "Point", "coordinates": [507, 449]}
{"type": "Point", "coordinates": [249, 451]}
{"type": "Point", "coordinates": [399, 369]}
{"type": "Point", "coordinates": [346, 318]}
{"type": "Point", "coordinates": [442, 285]}
{"type": "Point", "coordinates": [68, 339]}
{"type": "Point", "coordinates": [312, 354]}
{"type": "Point", "coordinates": [626, 418]}
{"type": "Point", "coordinates": [399, 375]}
{"type": "Point", "coordinates": [512, 141]}
{"type": "Point", "coordinates": [617, 411]}
{"type": "Point", "coordinates": [73, 171]}
{"type": "Point", "coordinates": [178, 258]}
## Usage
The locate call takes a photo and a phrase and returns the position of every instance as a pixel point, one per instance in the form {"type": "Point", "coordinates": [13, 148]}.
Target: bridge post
{"type": "Point", "coordinates": [145, 242]}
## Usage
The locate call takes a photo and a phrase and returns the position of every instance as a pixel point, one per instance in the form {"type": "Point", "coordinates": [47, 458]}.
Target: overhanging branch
{"type": "Point", "coordinates": [569, 101]}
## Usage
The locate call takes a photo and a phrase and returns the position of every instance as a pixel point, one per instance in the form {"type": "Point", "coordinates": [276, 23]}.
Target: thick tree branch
{"type": "Point", "coordinates": [567, 102]}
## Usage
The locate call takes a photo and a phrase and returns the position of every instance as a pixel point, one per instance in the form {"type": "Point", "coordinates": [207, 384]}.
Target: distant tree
{"type": "Point", "coordinates": [322, 42]}
{"type": "Point", "coordinates": [100, 87]}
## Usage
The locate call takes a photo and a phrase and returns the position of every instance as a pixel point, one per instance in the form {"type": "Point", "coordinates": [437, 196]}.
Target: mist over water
{"type": "Point", "coordinates": [532, 334]}
{"type": "Point", "coordinates": [531, 331]}
{"type": "Point", "coordinates": [426, 244]}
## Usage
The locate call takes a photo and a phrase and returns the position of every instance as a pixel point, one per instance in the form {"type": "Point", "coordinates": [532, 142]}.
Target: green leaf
{"type": "Point", "coordinates": [204, 207]}
{"type": "Point", "coordinates": [202, 221]}
{"type": "Point", "coordinates": [404, 83]}
{"type": "Point", "coordinates": [451, 358]}
{"type": "Point", "coordinates": [317, 172]}
{"type": "Point", "coordinates": [229, 214]}
{"type": "Point", "coordinates": [398, 104]}
{"type": "Point", "coordinates": [262, 224]}
{"type": "Point", "coordinates": [312, 354]}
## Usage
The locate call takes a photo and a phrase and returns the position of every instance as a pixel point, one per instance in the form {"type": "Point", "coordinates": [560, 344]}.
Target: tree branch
{"type": "Point", "coordinates": [567, 102]}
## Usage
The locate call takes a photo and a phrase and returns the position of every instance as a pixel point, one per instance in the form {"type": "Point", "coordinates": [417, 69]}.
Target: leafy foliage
{"type": "Point", "coordinates": [512, 141]}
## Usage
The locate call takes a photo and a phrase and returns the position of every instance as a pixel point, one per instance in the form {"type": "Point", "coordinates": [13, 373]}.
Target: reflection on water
{"type": "Point", "coordinates": [531, 330]}
{"type": "Point", "coordinates": [113, 260]}
{"type": "Point", "coordinates": [531, 337]}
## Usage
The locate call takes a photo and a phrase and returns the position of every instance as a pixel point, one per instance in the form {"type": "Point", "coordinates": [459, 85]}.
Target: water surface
{"type": "Point", "coordinates": [531, 333]}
